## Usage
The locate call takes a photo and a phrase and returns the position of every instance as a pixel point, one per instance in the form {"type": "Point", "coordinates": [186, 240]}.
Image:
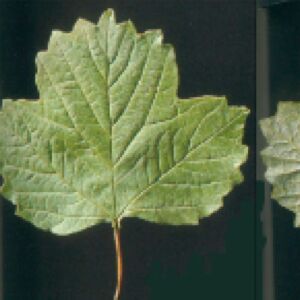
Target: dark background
{"type": "Point", "coordinates": [220, 258]}
{"type": "Point", "coordinates": [267, 3]}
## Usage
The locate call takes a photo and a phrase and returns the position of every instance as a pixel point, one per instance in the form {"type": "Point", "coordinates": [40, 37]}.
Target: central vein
{"type": "Point", "coordinates": [114, 206]}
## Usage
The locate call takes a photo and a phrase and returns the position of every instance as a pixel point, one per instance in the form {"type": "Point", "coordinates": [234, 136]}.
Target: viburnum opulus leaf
{"type": "Point", "coordinates": [109, 138]}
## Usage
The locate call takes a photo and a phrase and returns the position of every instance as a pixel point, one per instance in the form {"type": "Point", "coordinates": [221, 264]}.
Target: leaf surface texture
{"type": "Point", "coordinates": [282, 156]}
{"type": "Point", "coordinates": [109, 138]}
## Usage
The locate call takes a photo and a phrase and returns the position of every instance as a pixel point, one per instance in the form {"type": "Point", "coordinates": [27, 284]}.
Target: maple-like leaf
{"type": "Point", "coordinates": [282, 156]}
{"type": "Point", "coordinates": [109, 138]}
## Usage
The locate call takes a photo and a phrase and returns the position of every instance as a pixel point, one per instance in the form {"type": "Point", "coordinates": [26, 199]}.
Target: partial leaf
{"type": "Point", "coordinates": [282, 156]}
{"type": "Point", "coordinates": [110, 139]}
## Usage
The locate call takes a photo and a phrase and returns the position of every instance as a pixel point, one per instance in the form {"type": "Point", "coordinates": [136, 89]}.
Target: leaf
{"type": "Point", "coordinates": [282, 156]}
{"type": "Point", "coordinates": [110, 139]}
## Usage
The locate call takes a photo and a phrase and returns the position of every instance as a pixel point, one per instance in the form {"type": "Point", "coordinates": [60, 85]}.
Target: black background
{"type": "Point", "coordinates": [215, 46]}
{"type": "Point", "coordinates": [267, 3]}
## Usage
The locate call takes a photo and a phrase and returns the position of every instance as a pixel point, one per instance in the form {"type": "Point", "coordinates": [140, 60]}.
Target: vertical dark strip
{"type": "Point", "coordinates": [2, 12]}
{"type": "Point", "coordinates": [263, 104]}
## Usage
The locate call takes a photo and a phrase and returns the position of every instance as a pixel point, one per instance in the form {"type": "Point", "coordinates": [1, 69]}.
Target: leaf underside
{"type": "Point", "coordinates": [109, 138]}
{"type": "Point", "coordinates": [282, 156]}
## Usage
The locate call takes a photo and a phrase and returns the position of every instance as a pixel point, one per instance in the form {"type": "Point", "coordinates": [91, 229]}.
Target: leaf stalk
{"type": "Point", "coordinates": [119, 261]}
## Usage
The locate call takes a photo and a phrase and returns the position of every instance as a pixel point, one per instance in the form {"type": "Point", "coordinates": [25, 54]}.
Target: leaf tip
{"type": "Point", "coordinates": [107, 16]}
{"type": "Point", "coordinates": [131, 26]}
{"type": "Point", "coordinates": [247, 110]}
{"type": "Point", "coordinates": [154, 35]}
{"type": "Point", "coordinates": [110, 13]}
{"type": "Point", "coordinates": [54, 39]}
{"type": "Point", "coordinates": [82, 24]}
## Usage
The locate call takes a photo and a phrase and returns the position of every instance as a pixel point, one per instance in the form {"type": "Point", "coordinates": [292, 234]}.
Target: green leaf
{"type": "Point", "coordinates": [282, 156]}
{"type": "Point", "coordinates": [110, 139]}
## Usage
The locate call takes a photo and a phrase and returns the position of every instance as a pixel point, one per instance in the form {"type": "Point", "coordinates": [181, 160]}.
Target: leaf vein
{"type": "Point", "coordinates": [135, 87]}
{"type": "Point", "coordinates": [61, 97]}
{"type": "Point", "coordinates": [153, 99]}
{"type": "Point", "coordinates": [143, 192]}
{"type": "Point", "coordinates": [83, 93]}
